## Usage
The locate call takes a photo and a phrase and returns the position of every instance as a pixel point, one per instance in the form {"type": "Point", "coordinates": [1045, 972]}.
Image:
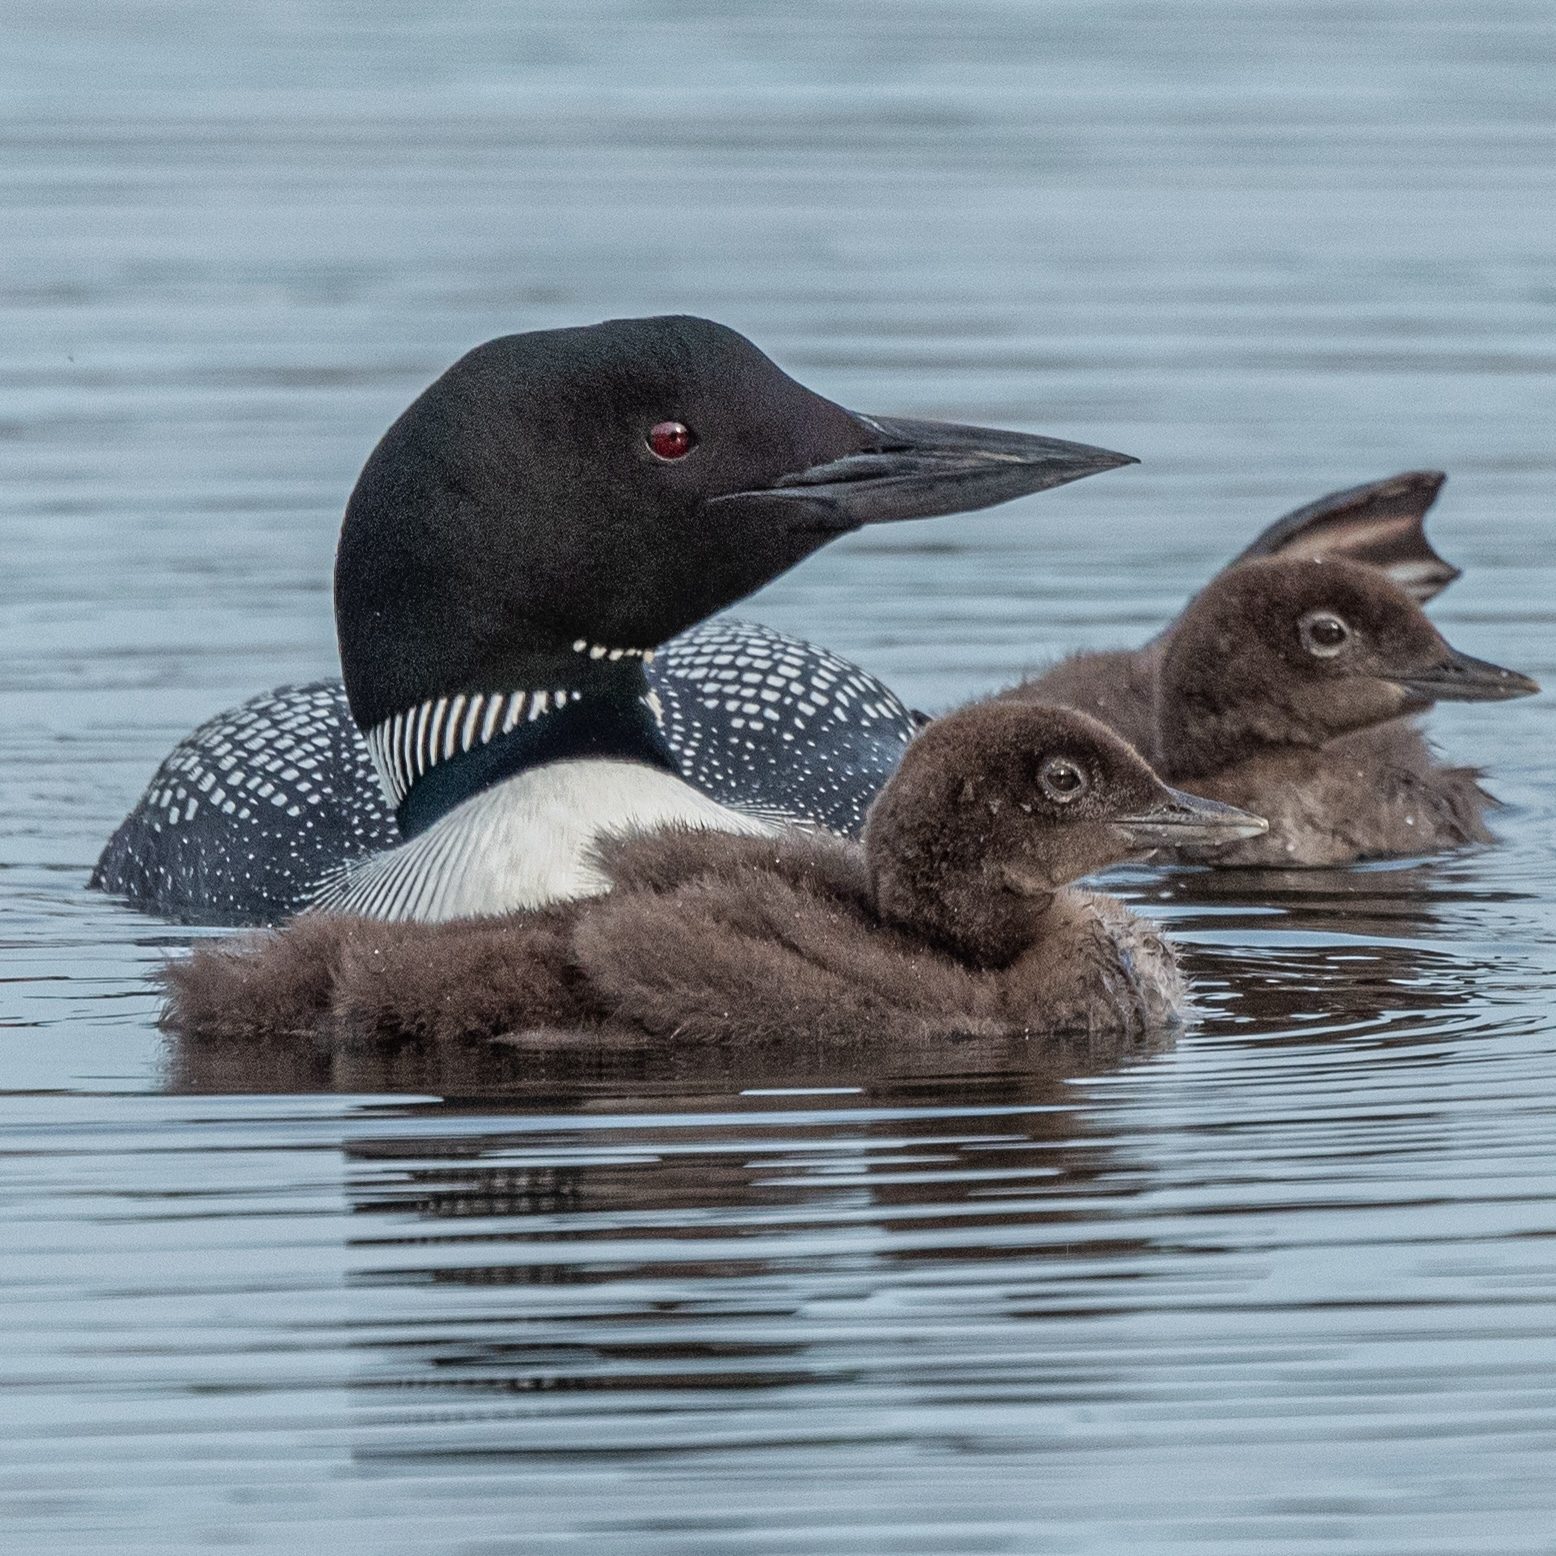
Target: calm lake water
{"type": "Point", "coordinates": [1286, 1286]}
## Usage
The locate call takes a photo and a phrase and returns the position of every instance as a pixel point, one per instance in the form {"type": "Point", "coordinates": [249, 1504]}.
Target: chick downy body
{"type": "Point", "coordinates": [1240, 699]}
{"type": "Point", "coordinates": [957, 915]}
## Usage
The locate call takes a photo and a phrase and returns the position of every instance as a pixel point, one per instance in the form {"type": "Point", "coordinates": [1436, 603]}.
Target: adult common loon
{"type": "Point", "coordinates": [540, 520]}
{"type": "Point", "coordinates": [955, 917]}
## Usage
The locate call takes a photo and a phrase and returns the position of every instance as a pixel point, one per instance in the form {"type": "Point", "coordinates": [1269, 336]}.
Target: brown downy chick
{"type": "Point", "coordinates": [1382, 523]}
{"type": "Point", "coordinates": [997, 809]}
{"type": "Point", "coordinates": [1285, 687]}
{"type": "Point", "coordinates": [955, 916]}
{"type": "Point", "coordinates": [349, 981]}
{"type": "Point", "coordinates": [1362, 790]}
{"type": "Point", "coordinates": [1280, 653]}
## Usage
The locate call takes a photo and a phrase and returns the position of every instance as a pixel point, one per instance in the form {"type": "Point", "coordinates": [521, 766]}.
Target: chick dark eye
{"type": "Point", "coordinates": [671, 440]}
{"type": "Point", "coordinates": [1324, 633]}
{"type": "Point", "coordinates": [1061, 779]}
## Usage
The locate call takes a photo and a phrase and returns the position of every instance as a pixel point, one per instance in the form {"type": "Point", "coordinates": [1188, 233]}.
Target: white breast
{"type": "Point", "coordinates": [524, 842]}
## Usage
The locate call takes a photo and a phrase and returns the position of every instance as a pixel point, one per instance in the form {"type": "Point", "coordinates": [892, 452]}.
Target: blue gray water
{"type": "Point", "coordinates": [1287, 1286]}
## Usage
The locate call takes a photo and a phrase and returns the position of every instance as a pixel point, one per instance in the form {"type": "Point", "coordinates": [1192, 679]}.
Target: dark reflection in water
{"type": "Point", "coordinates": [953, 1249]}
{"type": "Point", "coordinates": [1286, 1285]}
{"type": "Point", "coordinates": [552, 1070]}
{"type": "Point", "coordinates": [1276, 1276]}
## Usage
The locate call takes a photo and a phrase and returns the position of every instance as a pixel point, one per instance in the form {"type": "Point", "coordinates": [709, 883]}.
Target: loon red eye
{"type": "Point", "coordinates": [671, 440]}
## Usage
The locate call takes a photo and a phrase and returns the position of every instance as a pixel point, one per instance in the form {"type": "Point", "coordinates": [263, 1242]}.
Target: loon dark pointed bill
{"type": "Point", "coordinates": [543, 518]}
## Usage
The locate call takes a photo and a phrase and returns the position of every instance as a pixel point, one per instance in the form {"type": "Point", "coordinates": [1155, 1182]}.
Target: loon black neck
{"type": "Point", "coordinates": [437, 755]}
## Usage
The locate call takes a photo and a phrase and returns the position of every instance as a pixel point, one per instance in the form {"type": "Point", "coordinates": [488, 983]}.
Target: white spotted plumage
{"type": "Point", "coordinates": [814, 757]}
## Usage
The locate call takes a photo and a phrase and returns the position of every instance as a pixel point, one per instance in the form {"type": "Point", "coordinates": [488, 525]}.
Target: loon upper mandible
{"type": "Point", "coordinates": [541, 519]}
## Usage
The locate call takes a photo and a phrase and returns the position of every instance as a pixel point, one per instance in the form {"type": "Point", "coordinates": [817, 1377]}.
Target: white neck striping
{"type": "Point", "coordinates": [407, 745]}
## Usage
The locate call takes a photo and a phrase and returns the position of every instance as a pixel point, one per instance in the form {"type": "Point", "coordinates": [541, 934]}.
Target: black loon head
{"type": "Point", "coordinates": [558, 502]}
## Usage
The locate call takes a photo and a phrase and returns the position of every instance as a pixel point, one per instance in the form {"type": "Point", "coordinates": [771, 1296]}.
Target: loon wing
{"type": "Point", "coordinates": [248, 814]}
{"type": "Point", "coordinates": [1382, 523]}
